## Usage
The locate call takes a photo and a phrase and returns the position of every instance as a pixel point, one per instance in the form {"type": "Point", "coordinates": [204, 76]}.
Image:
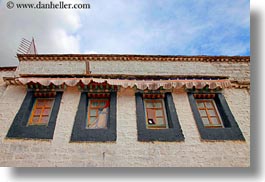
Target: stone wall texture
{"type": "Point", "coordinates": [2, 83]}
{"type": "Point", "coordinates": [51, 67]}
{"type": "Point", "coordinates": [126, 151]}
{"type": "Point", "coordinates": [236, 70]}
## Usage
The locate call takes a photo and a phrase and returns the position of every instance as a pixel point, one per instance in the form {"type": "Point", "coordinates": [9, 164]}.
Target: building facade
{"type": "Point", "coordinates": [125, 111]}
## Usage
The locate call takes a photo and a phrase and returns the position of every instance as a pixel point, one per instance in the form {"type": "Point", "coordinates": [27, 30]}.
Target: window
{"type": "Point", "coordinates": [209, 113]}
{"type": "Point", "coordinates": [95, 118]}
{"type": "Point", "coordinates": [155, 114]}
{"type": "Point", "coordinates": [157, 118]}
{"type": "Point", "coordinates": [37, 116]}
{"type": "Point", "coordinates": [213, 117]}
{"type": "Point", "coordinates": [98, 111]}
{"type": "Point", "coordinates": [41, 111]}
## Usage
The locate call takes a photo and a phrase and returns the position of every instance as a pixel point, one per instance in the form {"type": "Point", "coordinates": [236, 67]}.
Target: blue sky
{"type": "Point", "coordinates": [159, 27]}
{"type": "Point", "coordinates": [175, 27]}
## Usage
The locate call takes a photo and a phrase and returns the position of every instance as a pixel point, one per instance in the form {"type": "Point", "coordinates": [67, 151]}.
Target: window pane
{"type": "Point", "coordinates": [35, 119]}
{"type": "Point", "coordinates": [158, 105]}
{"type": "Point", "coordinates": [93, 112]}
{"type": "Point", "coordinates": [102, 104]}
{"type": "Point", "coordinates": [205, 121]}
{"type": "Point", "coordinates": [151, 121]}
{"type": "Point", "coordinates": [211, 112]}
{"type": "Point", "coordinates": [215, 120]}
{"type": "Point", "coordinates": [37, 112]}
{"type": "Point", "coordinates": [44, 120]}
{"type": "Point", "coordinates": [102, 118]}
{"type": "Point", "coordinates": [209, 104]}
{"type": "Point", "coordinates": [94, 103]}
{"type": "Point", "coordinates": [92, 122]}
{"type": "Point", "coordinates": [93, 119]}
{"type": "Point", "coordinates": [46, 112]}
{"type": "Point", "coordinates": [202, 113]}
{"type": "Point", "coordinates": [160, 121]}
{"type": "Point", "coordinates": [200, 104]}
{"type": "Point", "coordinates": [149, 104]}
{"type": "Point", "coordinates": [159, 113]}
{"type": "Point", "coordinates": [151, 114]}
{"type": "Point", "coordinates": [100, 121]}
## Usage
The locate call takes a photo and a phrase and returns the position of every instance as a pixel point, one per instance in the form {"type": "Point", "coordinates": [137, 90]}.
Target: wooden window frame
{"type": "Point", "coordinates": [165, 125]}
{"type": "Point", "coordinates": [208, 116]}
{"type": "Point", "coordinates": [35, 107]}
{"type": "Point", "coordinates": [80, 133]}
{"type": "Point", "coordinates": [230, 129]}
{"type": "Point", "coordinates": [171, 134]}
{"type": "Point", "coordinates": [20, 128]}
{"type": "Point", "coordinates": [95, 108]}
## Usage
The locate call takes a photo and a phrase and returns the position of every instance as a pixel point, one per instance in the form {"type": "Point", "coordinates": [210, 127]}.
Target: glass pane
{"type": "Point", "coordinates": [104, 111]}
{"type": "Point", "coordinates": [102, 104]}
{"type": "Point", "coordinates": [158, 105]}
{"type": "Point", "coordinates": [92, 119]}
{"type": "Point", "coordinates": [46, 112]}
{"type": "Point", "coordinates": [37, 112]}
{"type": "Point", "coordinates": [151, 113]}
{"type": "Point", "coordinates": [200, 104]}
{"type": "Point", "coordinates": [215, 120]}
{"type": "Point", "coordinates": [149, 104]}
{"type": "Point", "coordinates": [151, 121]}
{"type": "Point", "coordinates": [35, 119]}
{"type": "Point", "coordinates": [44, 120]}
{"type": "Point", "coordinates": [100, 121]}
{"type": "Point", "coordinates": [94, 103]}
{"type": "Point", "coordinates": [209, 104]}
{"type": "Point", "coordinates": [159, 113]}
{"type": "Point", "coordinates": [93, 112]}
{"type": "Point", "coordinates": [205, 121]}
{"type": "Point", "coordinates": [203, 113]}
{"type": "Point", "coordinates": [160, 121]}
{"type": "Point", "coordinates": [211, 112]}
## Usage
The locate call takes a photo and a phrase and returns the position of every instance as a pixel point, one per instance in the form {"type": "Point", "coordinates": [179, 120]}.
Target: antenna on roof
{"type": "Point", "coordinates": [27, 47]}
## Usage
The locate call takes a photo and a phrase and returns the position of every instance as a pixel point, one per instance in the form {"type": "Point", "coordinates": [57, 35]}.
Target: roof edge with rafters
{"type": "Point", "coordinates": [129, 57]}
{"type": "Point", "coordinates": [8, 68]}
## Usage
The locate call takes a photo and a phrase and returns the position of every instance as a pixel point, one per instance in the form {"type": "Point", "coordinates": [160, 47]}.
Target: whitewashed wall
{"type": "Point", "coordinates": [236, 70]}
{"type": "Point", "coordinates": [126, 151]}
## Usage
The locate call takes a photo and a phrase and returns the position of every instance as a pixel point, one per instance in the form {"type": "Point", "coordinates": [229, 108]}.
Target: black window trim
{"type": "Point", "coordinates": [20, 128]}
{"type": "Point", "coordinates": [231, 130]}
{"type": "Point", "coordinates": [171, 134]}
{"type": "Point", "coordinates": [82, 134]}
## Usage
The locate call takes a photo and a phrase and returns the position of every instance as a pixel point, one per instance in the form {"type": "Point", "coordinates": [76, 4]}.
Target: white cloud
{"type": "Point", "coordinates": [185, 27]}
{"type": "Point", "coordinates": [54, 30]}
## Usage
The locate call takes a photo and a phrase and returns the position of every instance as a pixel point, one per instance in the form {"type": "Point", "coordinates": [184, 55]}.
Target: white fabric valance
{"type": "Point", "coordinates": [140, 84]}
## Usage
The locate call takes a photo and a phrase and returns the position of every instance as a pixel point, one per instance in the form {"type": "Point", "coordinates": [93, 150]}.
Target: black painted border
{"type": "Point", "coordinates": [19, 128]}
{"type": "Point", "coordinates": [81, 133]}
{"type": "Point", "coordinates": [231, 131]}
{"type": "Point", "coordinates": [171, 134]}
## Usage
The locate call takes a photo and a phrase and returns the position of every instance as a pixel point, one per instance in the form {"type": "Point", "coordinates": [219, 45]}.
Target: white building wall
{"type": "Point", "coordinates": [126, 151]}
{"type": "Point", "coordinates": [235, 70]}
